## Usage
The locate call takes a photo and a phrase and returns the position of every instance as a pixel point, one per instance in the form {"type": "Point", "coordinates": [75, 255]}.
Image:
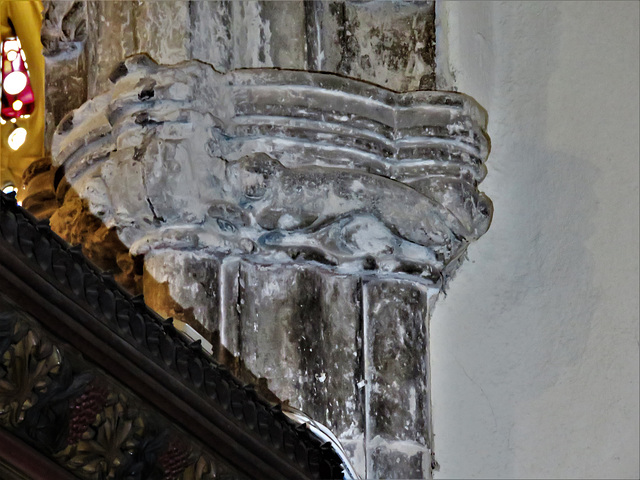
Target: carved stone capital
{"type": "Point", "coordinates": [281, 165]}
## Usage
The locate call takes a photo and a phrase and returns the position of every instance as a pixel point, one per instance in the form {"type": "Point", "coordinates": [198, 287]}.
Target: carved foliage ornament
{"type": "Point", "coordinates": [26, 371]}
{"type": "Point", "coordinates": [281, 165]}
{"type": "Point", "coordinates": [90, 426]}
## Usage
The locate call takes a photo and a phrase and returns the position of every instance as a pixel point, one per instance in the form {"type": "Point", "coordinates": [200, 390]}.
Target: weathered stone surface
{"type": "Point", "coordinates": [387, 43]}
{"type": "Point", "coordinates": [66, 89]}
{"type": "Point", "coordinates": [162, 30]}
{"type": "Point", "coordinates": [397, 359]}
{"type": "Point", "coordinates": [212, 38]}
{"type": "Point", "coordinates": [302, 222]}
{"type": "Point", "coordinates": [38, 193]}
{"type": "Point", "coordinates": [275, 31]}
{"type": "Point", "coordinates": [64, 34]}
{"type": "Point", "coordinates": [64, 26]}
{"type": "Point", "coordinates": [193, 287]}
{"type": "Point", "coordinates": [159, 128]}
{"type": "Point", "coordinates": [313, 324]}
{"type": "Point", "coordinates": [226, 34]}
{"type": "Point", "coordinates": [356, 454]}
{"type": "Point", "coordinates": [230, 304]}
{"type": "Point", "coordinates": [397, 376]}
{"type": "Point", "coordinates": [401, 460]}
{"type": "Point", "coordinates": [111, 37]}
{"type": "Point", "coordinates": [248, 34]}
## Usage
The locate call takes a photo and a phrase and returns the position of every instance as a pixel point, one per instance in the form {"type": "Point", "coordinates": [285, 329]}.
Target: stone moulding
{"type": "Point", "coordinates": [280, 166]}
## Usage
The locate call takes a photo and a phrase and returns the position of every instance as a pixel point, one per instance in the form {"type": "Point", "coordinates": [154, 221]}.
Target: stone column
{"type": "Point", "coordinates": [304, 223]}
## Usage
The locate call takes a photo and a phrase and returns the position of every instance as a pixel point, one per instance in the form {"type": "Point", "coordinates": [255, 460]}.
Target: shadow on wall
{"type": "Point", "coordinates": [560, 291]}
{"type": "Point", "coordinates": [522, 336]}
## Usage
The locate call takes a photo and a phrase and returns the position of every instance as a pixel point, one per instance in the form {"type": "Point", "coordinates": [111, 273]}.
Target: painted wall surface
{"type": "Point", "coordinates": [535, 348]}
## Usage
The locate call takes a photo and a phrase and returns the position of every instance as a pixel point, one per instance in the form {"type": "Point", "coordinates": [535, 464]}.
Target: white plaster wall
{"type": "Point", "coordinates": [535, 348]}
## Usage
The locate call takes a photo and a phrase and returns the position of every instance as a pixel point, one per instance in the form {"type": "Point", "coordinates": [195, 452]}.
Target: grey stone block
{"type": "Point", "coordinates": [299, 329]}
{"type": "Point", "coordinates": [111, 38]}
{"type": "Point", "coordinates": [397, 360]}
{"type": "Point", "coordinates": [162, 30]}
{"type": "Point", "coordinates": [388, 43]}
{"type": "Point", "coordinates": [398, 460]}
{"type": "Point", "coordinates": [193, 284]}
{"type": "Point", "coordinates": [212, 37]}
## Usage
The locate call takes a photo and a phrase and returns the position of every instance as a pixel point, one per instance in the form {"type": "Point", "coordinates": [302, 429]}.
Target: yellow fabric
{"type": "Point", "coordinates": [26, 16]}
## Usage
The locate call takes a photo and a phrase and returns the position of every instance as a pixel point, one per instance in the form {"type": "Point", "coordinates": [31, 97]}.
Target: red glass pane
{"type": "Point", "coordinates": [17, 94]}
